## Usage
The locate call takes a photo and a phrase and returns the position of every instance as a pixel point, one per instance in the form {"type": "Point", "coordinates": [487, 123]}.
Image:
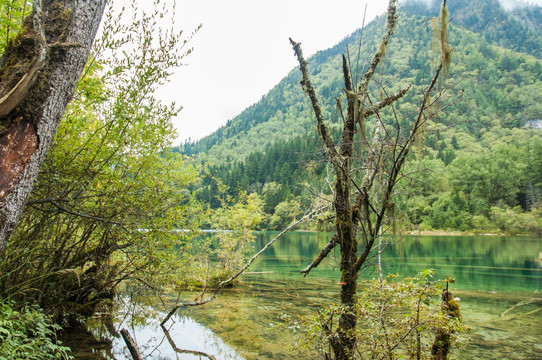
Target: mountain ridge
{"type": "Point", "coordinates": [283, 112]}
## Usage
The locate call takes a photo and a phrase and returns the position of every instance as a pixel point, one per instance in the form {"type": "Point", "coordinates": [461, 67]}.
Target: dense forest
{"type": "Point", "coordinates": [479, 167]}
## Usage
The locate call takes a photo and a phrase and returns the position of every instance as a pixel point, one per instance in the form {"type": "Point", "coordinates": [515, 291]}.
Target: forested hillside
{"type": "Point", "coordinates": [517, 29]}
{"type": "Point", "coordinates": [479, 168]}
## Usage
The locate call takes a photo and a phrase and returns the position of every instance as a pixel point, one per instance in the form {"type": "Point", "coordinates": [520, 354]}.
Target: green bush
{"type": "Point", "coordinates": [396, 319]}
{"type": "Point", "coordinates": [28, 334]}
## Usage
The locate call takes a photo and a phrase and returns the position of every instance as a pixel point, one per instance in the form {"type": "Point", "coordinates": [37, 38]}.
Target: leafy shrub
{"type": "Point", "coordinates": [397, 318]}
{"type": "Point", "coordinates": [28, 334]}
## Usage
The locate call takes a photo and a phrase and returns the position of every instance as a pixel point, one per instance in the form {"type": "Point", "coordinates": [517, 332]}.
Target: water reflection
{"type": "Point", "coordinates": [182, 338]}
{"type": "Point", "coordinates": [477, 262]}
{"type": "Point", "coordinates": [498, 279]}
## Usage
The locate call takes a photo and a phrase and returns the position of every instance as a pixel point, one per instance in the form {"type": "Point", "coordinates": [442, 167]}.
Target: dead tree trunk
{"type": "Point", "coordinates": [38, 74]}
{"type": "Point", "coordinates": [360, 207]}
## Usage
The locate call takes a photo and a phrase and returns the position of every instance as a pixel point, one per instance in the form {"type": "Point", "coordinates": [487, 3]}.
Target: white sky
{"type": "Point", "coordinates": [242, 51]}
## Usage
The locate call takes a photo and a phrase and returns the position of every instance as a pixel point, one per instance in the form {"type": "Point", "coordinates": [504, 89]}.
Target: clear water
{"type": "Point", "coordinates": [498, 279]}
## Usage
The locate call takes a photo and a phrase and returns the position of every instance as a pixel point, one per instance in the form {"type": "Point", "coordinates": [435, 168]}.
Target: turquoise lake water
{"type": "Point", "coordinates": [499, 281]}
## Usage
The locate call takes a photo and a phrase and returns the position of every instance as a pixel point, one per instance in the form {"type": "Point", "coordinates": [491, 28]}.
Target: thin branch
{"type": "Point", "coordinates": [360, 40]}
{"type": "Point", "coordinates": [96, 218]}
{"type": "Point", "coordinates": [397, 165]}
{"type": "Point", "coordinates": [323, 254]}
{"type": "Point", "coordinates": [238, 273]}
{"type": "Point", "coordinates": [415, 127]}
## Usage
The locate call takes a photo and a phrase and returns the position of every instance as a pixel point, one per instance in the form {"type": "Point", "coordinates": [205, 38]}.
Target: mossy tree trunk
{"type": "Point", "coordinates": [366, 170]}
{"type": "Point", "coordinates": [38, 74]}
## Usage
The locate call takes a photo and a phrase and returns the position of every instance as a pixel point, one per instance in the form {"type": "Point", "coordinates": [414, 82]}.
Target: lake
{"type": "Point", "coordinates": [498, 279]}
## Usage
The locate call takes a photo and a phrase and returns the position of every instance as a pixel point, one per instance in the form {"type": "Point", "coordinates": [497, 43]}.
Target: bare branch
{"type": "Point", "coordinates": [323, 254]}
{"type": "Point", "coordinates": [306, 84]}
{"type": "Point", "coordinates": [228, 281]}
{"type": "Point", "coordinates": [397, 165]}
{"type": "Point", "coordinates": [390, 27]}
{"type": "Point", "coordinates": [371, 110]}
{"type": "Point", "coordinates": [86, 216]}
{"type": "Point", "coordinates": [349, 128]}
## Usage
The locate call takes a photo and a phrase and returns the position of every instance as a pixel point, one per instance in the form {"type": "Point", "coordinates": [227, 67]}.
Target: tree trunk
{"type": "Point", "coordinates": [344, 345]}
{"type": "Point", "coordinates": [38, 74]}
{"type": "Point", "coordinates": [360, 208]}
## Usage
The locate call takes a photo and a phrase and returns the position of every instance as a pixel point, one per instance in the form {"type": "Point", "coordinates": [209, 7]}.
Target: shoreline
{"type": "Point", "coordinates": [449, 233]}
{"type": "Point", "coordinates": [436, 233]}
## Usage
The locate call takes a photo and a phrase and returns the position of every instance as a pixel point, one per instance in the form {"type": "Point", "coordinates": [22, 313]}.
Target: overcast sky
{"type": "Point", "coordinates": [242, 51]}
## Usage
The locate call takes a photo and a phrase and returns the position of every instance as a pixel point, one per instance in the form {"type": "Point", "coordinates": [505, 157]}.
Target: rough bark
{"type": "Point", "coordinates": [38, 75]}
{"type": "Point", "coordinates": [440, 350]}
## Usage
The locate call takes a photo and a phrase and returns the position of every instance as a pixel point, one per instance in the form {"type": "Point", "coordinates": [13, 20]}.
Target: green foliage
{"type": "Point", "coordinates": [451, 185]}
{"type": "Point", "coordinates": [110, 195]}
{"type": "Point", "coordinates": [234, 223]}
{"type": "Point", "coordinates": [28, 334]}
{"type": "Point", "coordinates": [497, 80]}
{"type": "Point", "coordinates": [397, 319]}
{"type": "Point", "coordinates": [516, 30]}
{"type": "Point", "coordinates": [515, 221]}
{"type": "Point", "coordinates": [12, 14]}
{"type": "Point", "coordinates": [272, 194]}
{"type": "Point", "coordinates": [215, 255]}
{"type": "Point", "coordinates": [285, 213]}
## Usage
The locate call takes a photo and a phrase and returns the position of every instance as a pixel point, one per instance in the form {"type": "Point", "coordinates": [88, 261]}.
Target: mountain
{"type": "Point", "coordinates": [490, 44]}
{"type": "Point", "coordinates": [495, 87]}
{"type": "Point", "coordinates": [518, 29]}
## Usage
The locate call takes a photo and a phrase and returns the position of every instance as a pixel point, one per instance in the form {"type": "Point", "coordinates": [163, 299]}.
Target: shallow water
{"type": "Point", "coordinates": [497, 278]}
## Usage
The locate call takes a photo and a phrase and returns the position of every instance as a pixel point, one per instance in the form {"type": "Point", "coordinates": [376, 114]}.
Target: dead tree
{"type": "Point", "coordinates": [38, 73]}
{"type": "Point", "coordinates": [363, 193]}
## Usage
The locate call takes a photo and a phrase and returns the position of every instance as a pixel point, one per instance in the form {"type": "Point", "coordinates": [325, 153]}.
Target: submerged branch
{"type": "Point", "coordinates": [228, 281]}
{"type": "Point", "coordinates": [504, 314]}
{"type": "Point", "coordinates": [323, 254]}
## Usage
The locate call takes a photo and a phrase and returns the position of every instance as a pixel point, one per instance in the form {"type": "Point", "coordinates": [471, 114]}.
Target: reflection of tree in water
{"type": "Point", "coordinates": [85, 344]}
{"type": "Point", "coordinates": [183, 351]}
{"type": "Point", "coordinates": [477, 262]}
